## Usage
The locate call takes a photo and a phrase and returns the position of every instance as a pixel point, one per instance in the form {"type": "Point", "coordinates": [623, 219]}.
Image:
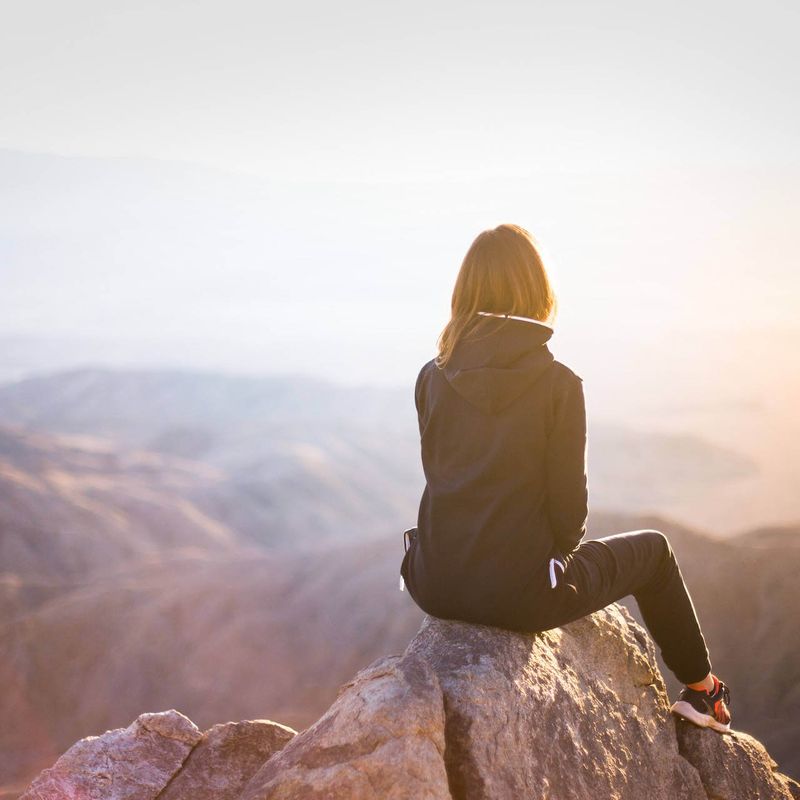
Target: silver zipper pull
{"type": "Point", "coordinates": [402, 583]}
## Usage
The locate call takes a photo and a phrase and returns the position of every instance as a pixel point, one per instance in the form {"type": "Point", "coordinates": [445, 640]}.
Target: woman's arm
{"type": "Point", "coordinates": [419, 397]}
{"type": "Point", "coordinates": [567, 489]}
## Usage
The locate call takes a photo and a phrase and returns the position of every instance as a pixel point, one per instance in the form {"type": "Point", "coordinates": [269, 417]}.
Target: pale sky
{"type": "Point", "coordinates": [379, 91]}
{"type": "Point", "coordinates": [256, 184]}
{"type": "Point", "coordinates": [259, 187]}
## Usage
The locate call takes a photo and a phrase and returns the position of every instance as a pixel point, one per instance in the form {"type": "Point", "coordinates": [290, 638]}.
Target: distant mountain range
{"type": "Point", "coordinates": [278, 441]}
{"type": "Point", "coordinates": [772, 536]}
{"type": "Point", "coordinates": [229, 636]}
{"type": "Point", "coordinates": [230, 546]}
{"type": "Point", "coordinates": [73, 507]}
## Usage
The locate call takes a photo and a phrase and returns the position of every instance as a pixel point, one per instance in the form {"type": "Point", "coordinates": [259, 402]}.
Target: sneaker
{"type": "Point", "coordinates": [704, 708]}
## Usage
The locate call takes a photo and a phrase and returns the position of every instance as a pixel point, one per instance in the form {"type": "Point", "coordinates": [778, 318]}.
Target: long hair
{"type": "Point", "coordinates": [502, 272]}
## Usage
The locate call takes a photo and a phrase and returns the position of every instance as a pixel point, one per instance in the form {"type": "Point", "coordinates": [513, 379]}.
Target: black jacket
{"type": "Point", "coordinates": [503, 445]}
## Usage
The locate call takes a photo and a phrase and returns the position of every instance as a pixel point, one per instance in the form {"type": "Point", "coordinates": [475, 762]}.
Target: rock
{"type": "Point", "coordinates": [132, 763]}
{"type": "Point", "coordinates": [467, 712]}
{"type": "Point", "coordinates": [733, 767]}
{"type": "Point", "coordinates": [225, 759]}
{"type": "Point", "coordinates": [162, 755]}
{"type": "Point", "coordinates": [577, 712]}
{"type": "Point", "coordinates": [383, 737]}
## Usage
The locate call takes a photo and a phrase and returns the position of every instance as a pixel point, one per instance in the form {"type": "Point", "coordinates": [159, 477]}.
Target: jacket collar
{"type": "Point", "coordinates": [500, 358]}
{"type": "Point", "coordinates": [513, 316]}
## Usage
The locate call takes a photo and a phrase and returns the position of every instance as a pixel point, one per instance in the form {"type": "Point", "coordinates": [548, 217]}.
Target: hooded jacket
{"type": "Point", "coordinates": [503, 444]}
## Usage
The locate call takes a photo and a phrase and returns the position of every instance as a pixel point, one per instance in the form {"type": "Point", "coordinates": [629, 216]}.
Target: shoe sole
{"type": "Point", "coordinates": [688, 711]}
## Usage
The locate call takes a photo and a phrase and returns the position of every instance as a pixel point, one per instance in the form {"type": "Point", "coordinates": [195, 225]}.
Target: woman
{"type": "Point", "coordinates": [500, 534]}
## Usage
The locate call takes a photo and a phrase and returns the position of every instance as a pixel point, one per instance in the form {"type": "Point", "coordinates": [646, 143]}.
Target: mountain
{"type": "Point", "coordinates": [466, 711]}
{"type": "Point", "coordinates": [229, 636]}
{"type": "Point", "coordinates": [168, 535]}
{"type": "Point", "coordinates": [283, 439]}
{"type": "Point", "coordinates": [133, 407]}
{"type": "Point", "coordinates": [773, 536]}
{"type": "Point", "coordinates": [73, 506]}
{"type": "Point", "coordinates": [220, 635]}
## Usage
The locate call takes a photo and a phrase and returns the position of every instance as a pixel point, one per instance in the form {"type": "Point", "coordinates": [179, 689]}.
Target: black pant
{"type": "Point", "coordinates": [601, 571]}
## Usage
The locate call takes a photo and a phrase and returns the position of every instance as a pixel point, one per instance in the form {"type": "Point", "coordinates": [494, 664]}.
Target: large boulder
{"type": "Point", "coordinates": [474, 712]}
{"type": "Point", "coordinates": [383, 737]}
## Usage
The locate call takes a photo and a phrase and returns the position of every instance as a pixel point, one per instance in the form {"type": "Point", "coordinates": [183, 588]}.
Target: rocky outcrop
{"type": "Point", "coordinates": [136, 761]}
{"type": "Point", "coordinates": [466, 712]}
{"type": "Point", "coordinates": [225, 759]}
{"type": "Point", "coordinates": [574, 713]}
{"type": "Point", "coordinates": [164, 756]}
{"type": "Point", "coordinates": [384, 737]}
{"type": "Point", "coordinates": [733, 766]}
{"type": "Point", "coordinates": [310, 621]}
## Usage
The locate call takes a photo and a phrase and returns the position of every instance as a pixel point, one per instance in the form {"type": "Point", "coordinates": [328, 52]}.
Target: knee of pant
{"type": "Point", "coordinates": [661, 542]}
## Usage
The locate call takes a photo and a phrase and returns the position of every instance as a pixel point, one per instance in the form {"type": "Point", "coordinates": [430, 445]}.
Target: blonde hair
{"type": "Point", "coordinates": [502, 272]}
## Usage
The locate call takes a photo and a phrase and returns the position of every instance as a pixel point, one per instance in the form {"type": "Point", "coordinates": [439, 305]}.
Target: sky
{"type": "Point", "coordinates": [260, 185]}
{"type": "Point", "coordinates": [253, 187]}
{"type": "Point", "coordinates": [373, 91]}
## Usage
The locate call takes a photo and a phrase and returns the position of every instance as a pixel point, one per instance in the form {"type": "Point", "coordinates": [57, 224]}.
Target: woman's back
{"type": "Point", "coordinates": [503, 438]}
{"type": "Point", "coordinates": [503, 441]}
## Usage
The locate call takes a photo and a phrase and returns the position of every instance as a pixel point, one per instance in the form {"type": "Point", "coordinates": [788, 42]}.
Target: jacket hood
{"type": "Point", "coordinates": [499, 360]}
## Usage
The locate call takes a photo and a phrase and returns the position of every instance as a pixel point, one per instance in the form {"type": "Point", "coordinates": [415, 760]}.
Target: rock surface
{"type": "Point", "coordinates": [161, 755]}
{"type": "Point", "coordinates": [132, 569]}
{"type": "Point", "coordinates": [466, 712]}
{"type": "Point", "coordinates": [576, 712]}
{"type": "Point", "coordinates": [383, 737]}
{"type": "Point", "coordinates": [225, 759]}
{"type": "Point", "coordinates": [733, 767]}
{"type": "Point", "coordinates": [133, 762]}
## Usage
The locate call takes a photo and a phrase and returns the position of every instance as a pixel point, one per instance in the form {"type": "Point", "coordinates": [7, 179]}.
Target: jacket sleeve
{"type": "Point", "coordinates": [419, 399]}
{"type": "Point", "coordinates": [567, 488]}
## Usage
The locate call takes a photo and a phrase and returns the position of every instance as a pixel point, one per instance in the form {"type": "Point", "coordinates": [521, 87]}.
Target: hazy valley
{"type": "Point", "coordinates": [230, 547]}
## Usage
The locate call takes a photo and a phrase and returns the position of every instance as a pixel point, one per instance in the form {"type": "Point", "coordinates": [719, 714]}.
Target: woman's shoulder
{"type": "Point", "coordinates": [565, 378]}
{"type": "Point", "coordinates": [421, 384]}
{"type": "Point", "coordinates": [427, 367]}
{"type": "Point", "coordinates": [431, 363]}
{"type": "Point", "coordinates": [564, 372]}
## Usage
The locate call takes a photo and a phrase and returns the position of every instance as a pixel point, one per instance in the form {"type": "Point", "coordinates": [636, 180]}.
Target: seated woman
{"type": "Point", "coordinates": [500, 533]}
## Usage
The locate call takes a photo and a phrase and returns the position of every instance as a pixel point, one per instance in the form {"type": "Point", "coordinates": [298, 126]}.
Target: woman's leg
{"type": "Point", "coordinates": [641, 563]}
